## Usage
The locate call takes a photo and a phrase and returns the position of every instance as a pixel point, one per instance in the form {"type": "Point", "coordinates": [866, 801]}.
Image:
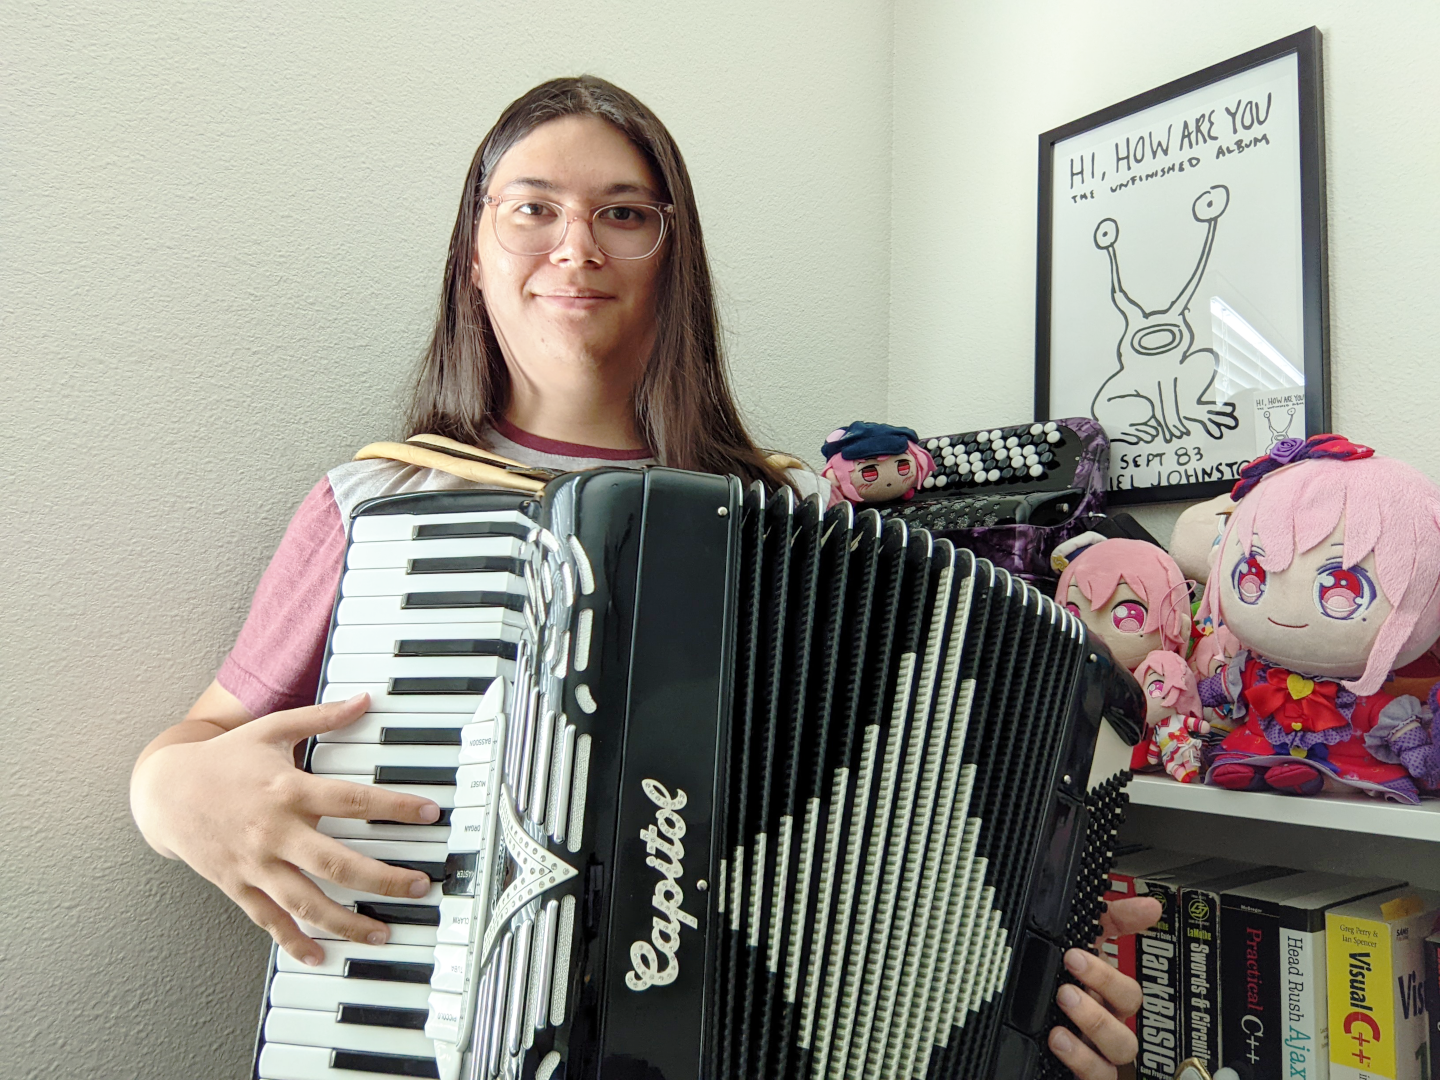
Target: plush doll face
{"type": "Point", "coordinates": [1314, 617]}
{"type": "Point", "coordinates": [1117, 623]}
{"type": "Point", "coordinates": [881, 479]}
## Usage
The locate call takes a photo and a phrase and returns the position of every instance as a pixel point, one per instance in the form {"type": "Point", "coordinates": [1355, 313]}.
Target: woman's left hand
{"type": "Point", "coordinates": [1100, 1014]}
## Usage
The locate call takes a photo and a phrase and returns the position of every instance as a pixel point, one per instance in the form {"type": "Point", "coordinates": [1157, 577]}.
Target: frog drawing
{"type": "Point", "coordinates": [1164, 384]}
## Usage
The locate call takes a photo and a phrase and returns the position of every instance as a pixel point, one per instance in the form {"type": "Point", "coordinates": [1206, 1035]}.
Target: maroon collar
{"type": "Point", "coordinates": [565, 449]}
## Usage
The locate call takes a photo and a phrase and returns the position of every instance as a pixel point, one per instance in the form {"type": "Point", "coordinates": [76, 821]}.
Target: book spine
{"type": "Point", "coordinates": [1199, 921]}
{"type": "Point", "coordinates": [1157, 963]}
{"type": "Point", "coordinates": [1362, 1003]}
{"type": "Point", "coordinates": [1250, 1016]}
{"type": "Point", "coordinates": [1120, 952]}
{"type": "Point", "coordinates": [1306, 1051]}
{"type": "Point", "coordinates": [1432, 1003]}
{"type": "Point", "coordinates": [1407, 963]}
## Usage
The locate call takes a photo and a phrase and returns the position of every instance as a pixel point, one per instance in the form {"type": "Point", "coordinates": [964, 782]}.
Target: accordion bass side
{"type": "Point", "coordinates": [738, 787]}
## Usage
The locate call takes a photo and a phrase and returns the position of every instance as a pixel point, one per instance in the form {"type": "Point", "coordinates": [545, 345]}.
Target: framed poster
{"type": "Point", "coordinates": [1182, 286]}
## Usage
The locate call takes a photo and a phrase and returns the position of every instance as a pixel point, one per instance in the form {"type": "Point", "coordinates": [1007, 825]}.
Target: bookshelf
{"type": "Point", "coordinates": [1346, 813]}
{"type": "Point", "coordinates": [1346, 834]}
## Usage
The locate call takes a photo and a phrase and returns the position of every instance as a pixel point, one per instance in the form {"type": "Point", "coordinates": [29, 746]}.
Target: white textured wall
{"type": "Point", "coordinates": [975, 85]}
{"type": "Point", "coordinates": [222, 229]}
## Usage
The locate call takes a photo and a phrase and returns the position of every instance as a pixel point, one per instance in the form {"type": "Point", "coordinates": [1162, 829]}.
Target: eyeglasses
{"type": "Point", "coordinates": [529, 226]}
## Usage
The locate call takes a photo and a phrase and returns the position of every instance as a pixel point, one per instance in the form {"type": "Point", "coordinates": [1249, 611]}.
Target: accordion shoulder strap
{"type": "Point", "coordinates": [458, 459]}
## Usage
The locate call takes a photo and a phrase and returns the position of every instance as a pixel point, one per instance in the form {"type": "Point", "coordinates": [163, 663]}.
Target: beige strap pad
{"type": "Point", "coordinates": [415, 452]}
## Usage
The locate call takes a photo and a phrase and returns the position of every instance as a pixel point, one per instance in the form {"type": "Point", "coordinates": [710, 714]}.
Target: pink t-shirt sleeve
{"type": "Point", "coordinates": [276, 661]}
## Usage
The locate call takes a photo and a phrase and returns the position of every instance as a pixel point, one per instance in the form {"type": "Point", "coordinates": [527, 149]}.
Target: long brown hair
{"type": "Point", "coordinates": [683, 405]}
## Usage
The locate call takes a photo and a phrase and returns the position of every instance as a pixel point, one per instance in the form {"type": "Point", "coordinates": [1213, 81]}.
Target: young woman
{"type": "Point", "coordinates": [576, 328]}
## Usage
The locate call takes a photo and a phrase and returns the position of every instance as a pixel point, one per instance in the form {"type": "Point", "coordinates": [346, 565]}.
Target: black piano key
{"type": "Point", "coordinates": [443, 819]}
{"type": "Point", "coordinates": [440, 685]}
{"type": "Point", "coordinates": [506, 650]}
{"type": "Point", "coordinates": [382, 1016]}
{"type": "Point", "coordinates": [420, 736]}
{"type": "Point", "coordinates": [450, 530]}
{"type": "Point", "coordinates": [467, 564]}
{"type": "Point", "coordinates": [390, 1064]}
{"type": "Point", "coordinates": [461, 873]}
{"type": "Point", "coordinates": [402, 914]}
{"type": "Point", "coordinates": [388, 971]}
{"type": "Point", "coordinates": [415, 774]}
{"type": "Point", "coordinates": [435, 871]}
{"type": "Point", "coordinates": [484, 598]}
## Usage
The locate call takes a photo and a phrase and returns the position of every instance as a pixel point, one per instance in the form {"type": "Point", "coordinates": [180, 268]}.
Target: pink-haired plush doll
{"type": "Point", "coordinates": [1172, 715]}
{"type": "Point", "coordinates": [1130, 595]}
{"type": "Point", "coordinates": [1328, 575]}
{"type": "Point", "coordinates": [874, 463]}
{"type": "Point", "coordinates": [1133, 597]}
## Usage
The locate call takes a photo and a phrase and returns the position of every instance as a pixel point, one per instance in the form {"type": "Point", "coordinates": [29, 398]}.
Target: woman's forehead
{"type": "Point", "coordinates": [575, 157]}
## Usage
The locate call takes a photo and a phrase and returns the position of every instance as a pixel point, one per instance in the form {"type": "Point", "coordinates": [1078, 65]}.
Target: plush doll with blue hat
{"type": "Point", "coordinates": [874, 463]}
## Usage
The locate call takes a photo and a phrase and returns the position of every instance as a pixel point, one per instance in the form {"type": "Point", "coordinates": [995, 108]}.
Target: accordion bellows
{"type": "Point", "coordinates": [738, 788]}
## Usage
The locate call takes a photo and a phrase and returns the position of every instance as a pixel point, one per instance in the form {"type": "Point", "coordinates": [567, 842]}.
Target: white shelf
{"type": "Point", "coordinates": [1349, 813]}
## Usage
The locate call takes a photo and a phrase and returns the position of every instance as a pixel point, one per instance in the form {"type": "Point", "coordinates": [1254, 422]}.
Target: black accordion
{"type": "Point", "coordinates": [733, 787]}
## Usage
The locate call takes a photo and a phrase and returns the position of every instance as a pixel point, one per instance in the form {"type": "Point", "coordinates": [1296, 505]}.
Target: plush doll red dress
{"type": "Point", "coordinates": [1329, 576]}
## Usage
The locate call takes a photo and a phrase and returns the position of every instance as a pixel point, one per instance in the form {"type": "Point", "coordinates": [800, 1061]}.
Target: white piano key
{"type": "Point", "coordinates": [441, 795]}
{"type": "Point", "coordinates": [302, 1027]}
{"type": "Point", "coordinates": [457, 915]}
{"type": "Point", "coordinates": [477, 742]}
{"type": "Point", "coordinates": [369, 727]}
{"type": "Point", "coordinates": [452, 965]}
{"type": "Point", "coordinates": [446, 1012]}
{"type": "Point", "coordinates": [387, 611]}
{"type": "Point", "coordinates": [338, 952]}
{"type": "Point", "coordinates": [355, 829]}
{"type": "Point", "coordinates": [378, 527]}
{"type": "Point", "coordinates": [399, 849]}
{"type": "Point", "coordinates": [473, 785]}
{"type": "Point", "coordinates": [382, 701]}
{"type": "Point", "coordinates": [347, 897]}
{"type": "Point", "coordinates": [366, 638]}
{"type": "Point", "coordinates": [378, 667]}
{"type": "Point", "coordinates": [282, 1061]}
{"type": "Point", "coordinates": [294, 990]}
{"type": "Point", "coordinates": [363, 757]}
{"type": "Point", "coordinates": [397, 553]}
{"type": "Point", "coordinates": [400, 934]}
{"type": "Point", "coordinates": [394, 582]}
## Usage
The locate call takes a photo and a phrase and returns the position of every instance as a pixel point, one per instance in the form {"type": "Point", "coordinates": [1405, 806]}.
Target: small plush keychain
{"type": "Point", "coordinates": [874, 463]}
{"type": "Point", "coordinates": [1328, 575]}
{"type": "Point", "coordinates": [1172, 717]}
{"type": "Point", "coordinates": [1212, 652]}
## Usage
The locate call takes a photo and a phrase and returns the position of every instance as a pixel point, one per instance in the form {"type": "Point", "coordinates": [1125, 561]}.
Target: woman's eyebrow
{"type": "Point", "coordinates": [621, 188]}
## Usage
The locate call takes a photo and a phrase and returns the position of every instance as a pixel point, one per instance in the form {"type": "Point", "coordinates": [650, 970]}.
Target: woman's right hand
{"type": "Point", "coordinates": [235, 807]}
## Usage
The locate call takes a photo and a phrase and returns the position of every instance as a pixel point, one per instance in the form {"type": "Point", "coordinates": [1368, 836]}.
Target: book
{"type": "Point", "coordinates": [1200, 937]}
{"type": "Point", "coordinates": [1305, 1041]}
{"type": "Point", "coordinates": [1158, 963]}
{"type": "Point", "coordinates": [1267, 975]}
{"type": "Point", "coordinates": [1375, 956]}
{"type": "Point", "coordinates": [1120, 952]}
{"type": "Point", "coordinates": [1432, 1001]}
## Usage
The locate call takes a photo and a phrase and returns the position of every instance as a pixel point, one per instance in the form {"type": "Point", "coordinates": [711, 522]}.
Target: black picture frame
{"type": "Point", "coordinates": [1313, 272]}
